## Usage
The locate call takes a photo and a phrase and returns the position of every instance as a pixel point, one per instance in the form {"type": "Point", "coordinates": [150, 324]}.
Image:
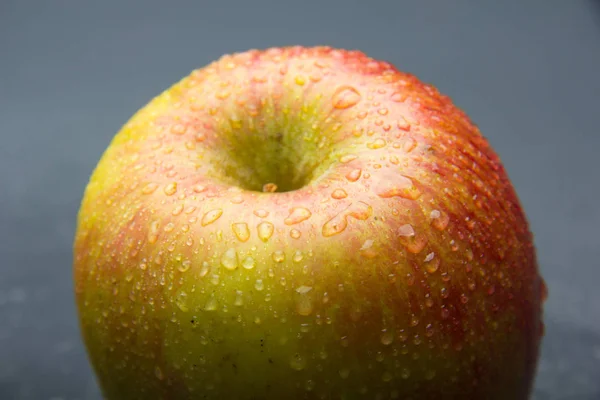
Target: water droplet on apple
{"type": "Point", "coordinates": [260, 213]}
{"type": "Point", "coordinates": [453, 245]}
{"type": "Point", "coordinates": [169, 227]}
{"type": "Point", "coordinates": [376, 144]}
{"type": "Point", "coordinates": [445, 313]}
{"type": "Point", "coordinates": [315, 76]}
{"type": "Point", "coordinates": [298, 362]}
{"type": "Point", "coordinates": [190, 210]}
{"type": "Point", "coordinates": [265, 230]}
{"type": "Point", "coordinates": [402, 336]}
{"type": "Point", "coordinates": [297, 256]}
{"type": "Point", "coordinates": [387, 337]}
{"type": "Point", "coordinates": [410, 144]}
{"type": "Point", "coordinates": [345, 97]}
{"type": "Point", "coordinates": [429, 330]}
{"type": "Point", "coordinates": [199, 188]}
{"type": "Point", "coordinates": [344, 341]}
{"type": "Point", "coordinates": [309, 386]}
{"type": "Point", "coordinates": [382, 111]}
{"type": "Point", "coordinates": [336, 225]}
{"type": "Point", "coordinates": [205, 269]}
{"type": "Point", "coordinates": [353, 175]}
{"type": "Point", "coordinates": [360, 210]}
{"type": "Point", "coordinates": [347, 158]}
{"type": "Point", "coordinates": [215, 279]}
{"type": "Point", "coordinates": [269, 188]}
{"type": "Point", "coordinates": [387, 376]}
{"type": "Point", "coordinates": [241, 231]}
{"type": "Point", "coordinates": [278, 256]}
{"type": "Point", "coordinates": [153, 232]}
{"type": "Point", "coordinates": [149, 188]}
{"type": "Point", "coordinates": [405, 373]}
{"type": "Point", "coordinates": [469, 254]}
{"type": "Point", "coordinates": [170, 189]}
{"type": "Point", "coordinates": [398, 97]}
{"type": "Point", "coordinates": [444, 293]}
{"type": "Point", "coordinates": [406, 230]}
{"type": "Point", "coordinates": [417, 340]}
{"type": "Point", "coordinates": [414, 320]}
{"type": "Point", "coordinates": [304, 304]}
{"type": "Point", "coordinates": [211, 216]}
{"type": "Point", "coordinates": [367, 249]}
{"type": "Point", "coordinates": [237, 200]}
{"type": "Point", "coordinates": [413, 243]}
{"type": "Point", "coordinates": [178, 129]}
{"type": "Point", "coordinates": [303, 289]}
{"type": "Point", "coordinates": [259, 285]}
{"type": "Point", "coordinates": [229, 259]}
{"type": "Point", "coordinates": [401, 187]}
{"type": "Point", "coordinates": [223, 94]}
{"type": "Point", "coordinates": [239, 298]}
{"type": "Point", "coordinates": [297, 215]}
{"type": "Point", "coordinates": [440, 219]}
{"type": "Point", "coordinates": [339, 194]}
{"type": "Point", "coordinates": [211, 304]}
{"type": "Point", "coordinates": [295, 234]}
{"type": "Point", "coordinates": [177, 210]}
{"type": "Point", "coordinates": [431, 263]}
{"type": "Point", "coordinates": [471, 283]}
{"type": "Point", "coordinates": [248, 262]}
{"type": "Point", "coordinates": [185, 265]}
{"type": "Point", "coordinates": [158, 373]}
{"type": "Point", "coordinates": [181, 301]}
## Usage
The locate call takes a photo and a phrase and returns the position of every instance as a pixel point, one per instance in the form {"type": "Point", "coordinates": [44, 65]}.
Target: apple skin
{"type": "Point", "coordinates": [305, 223]}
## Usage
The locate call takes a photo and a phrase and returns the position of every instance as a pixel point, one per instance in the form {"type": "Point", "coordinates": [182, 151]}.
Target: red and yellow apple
{"type": "Point", "coordinates": [305, 223]}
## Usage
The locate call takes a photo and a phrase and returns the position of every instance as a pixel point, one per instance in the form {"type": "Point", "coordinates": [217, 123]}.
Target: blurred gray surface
{"type": "Point", "coordinates": [72, 72]}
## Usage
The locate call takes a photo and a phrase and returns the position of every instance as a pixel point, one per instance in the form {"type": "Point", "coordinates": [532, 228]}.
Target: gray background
{"type": "Point", "coordinates": [72, 72]}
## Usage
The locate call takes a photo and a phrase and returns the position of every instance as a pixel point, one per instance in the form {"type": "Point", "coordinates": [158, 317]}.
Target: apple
{"type": "Point", "coordinates": [305, 223]}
